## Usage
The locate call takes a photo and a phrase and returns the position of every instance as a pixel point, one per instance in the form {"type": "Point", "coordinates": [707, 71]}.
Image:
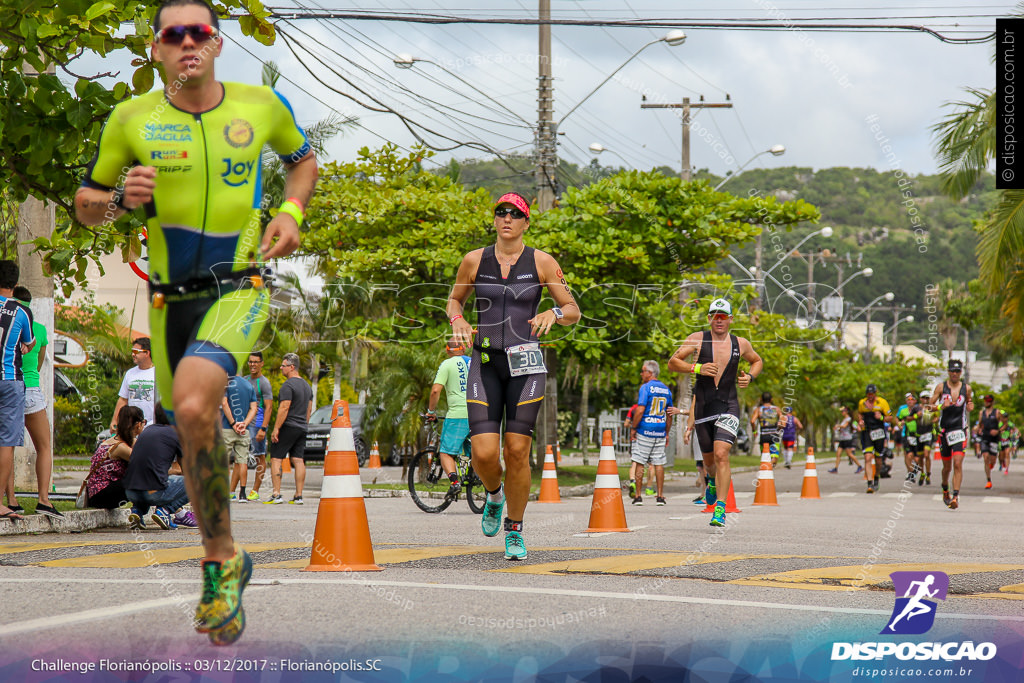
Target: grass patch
{"type": "Point", "coordinates": [30, 504]}
{"type": "Point", "coordinates": [71, 463]}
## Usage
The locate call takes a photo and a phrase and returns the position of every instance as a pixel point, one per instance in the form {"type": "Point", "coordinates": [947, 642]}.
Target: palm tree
{"type": "Point", "coordinates": [965, 146]}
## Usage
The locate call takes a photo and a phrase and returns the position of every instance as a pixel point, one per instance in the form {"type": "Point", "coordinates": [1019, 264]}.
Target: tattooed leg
{"type": "Point", "coordinates": [198, 389]}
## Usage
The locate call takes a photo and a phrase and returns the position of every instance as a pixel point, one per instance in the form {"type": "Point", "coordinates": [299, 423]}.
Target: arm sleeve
{"type": "Point", "coordinates": [442, 375]}
{"type": "Point", "coordinates": [123, 391]}
{"type": "Point", "coordinates": [26, 328]}
{"type": "Point", "coordinates": [643, 397]}
{"type": "Point", "coordinates": [285, 393]}
{"type": "Point", "coordinates": [287, 138]}
{"type": "Point", "coordinates": [114, 157]}
{"type": "Point", "coordinates": [268, 393]}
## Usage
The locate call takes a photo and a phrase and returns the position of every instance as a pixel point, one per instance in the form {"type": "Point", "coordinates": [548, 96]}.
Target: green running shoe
{"type": "Point", "coordinates": [718, 517]}
{"type": "Point", "coordinates": [710, 494]}
{"type": "Point", "coordinates": [230, 632]}
{"type": "Point", "coordinates": [515, 549]}
{"type": "Point", "coordinates": [490, 522]}
{"type": "Point", "coordinates": [223, 583]}
{"type": "Point", "coordinates": [632, 489]}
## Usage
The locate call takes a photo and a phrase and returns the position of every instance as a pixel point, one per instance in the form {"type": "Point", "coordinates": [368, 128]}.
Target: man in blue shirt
{"type": "Point", "coordinates": [651, 422]}
{"type": "Point", "coordinates": [15, 339]}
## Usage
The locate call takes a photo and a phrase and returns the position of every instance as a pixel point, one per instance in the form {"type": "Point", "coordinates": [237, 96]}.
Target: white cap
{"type": "Point", "coordinates": [720, 306]}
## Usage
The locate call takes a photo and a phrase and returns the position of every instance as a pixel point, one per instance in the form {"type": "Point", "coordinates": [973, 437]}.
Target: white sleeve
{"type": "Point", "coordinates": [123, 391]}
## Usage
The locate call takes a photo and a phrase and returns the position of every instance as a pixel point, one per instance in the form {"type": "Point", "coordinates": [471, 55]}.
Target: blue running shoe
{"type": "Point", "coordinates": [490, 522]}
{"type": "Point", "coordinates": [515, 549]}
{"type": "Point", "coordinates": [773, 450]}
{"type": "Point", "coordinates": [699, 500]}
{"type": "Point", "coordinates": [718, 517]}
{"type": "Point", "coordinates": [710, 494]}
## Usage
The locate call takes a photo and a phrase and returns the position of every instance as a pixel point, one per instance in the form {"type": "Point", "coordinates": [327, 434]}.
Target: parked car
{"type": "Point", "coordinates": [318, 431]}
{"type": "Point", "coordinates": [62, 386]}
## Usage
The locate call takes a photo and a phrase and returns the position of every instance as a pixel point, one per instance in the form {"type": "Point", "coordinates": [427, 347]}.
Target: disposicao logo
{"type": "Point", "coordinates": [914, 612]}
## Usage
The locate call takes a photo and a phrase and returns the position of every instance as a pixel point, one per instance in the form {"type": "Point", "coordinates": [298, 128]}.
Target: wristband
{"type": "Point", "coordinates": [292, 209]}
{"type": "Point", "coordinates": [696, 368]}
{"type": "Point", "coordinates": [118, 198]}
{"type": "Point", "coordinates": [451, 320]}
{"type": "Point", "coordinates": [431, 412]}
{"type": "Point", "coordinates": [296, 202]}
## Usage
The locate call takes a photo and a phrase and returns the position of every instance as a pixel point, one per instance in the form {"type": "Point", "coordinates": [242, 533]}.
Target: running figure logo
{"type": "Point", "coordinates": [914, 613]}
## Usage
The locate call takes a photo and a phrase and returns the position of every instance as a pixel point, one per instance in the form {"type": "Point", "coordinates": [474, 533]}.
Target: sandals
{"type": "Point", "coordinates": [11, 515]}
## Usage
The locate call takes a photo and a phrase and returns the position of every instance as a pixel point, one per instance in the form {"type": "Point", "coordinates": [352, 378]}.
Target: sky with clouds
{"type": "Point", "coordinates": [809, 91]}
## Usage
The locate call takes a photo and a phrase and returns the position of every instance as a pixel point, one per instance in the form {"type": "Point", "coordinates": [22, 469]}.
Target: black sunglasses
{"type": "Point", "coordinates": [175, 35]}
{"type": "Point", "coordinates": [508, 211]}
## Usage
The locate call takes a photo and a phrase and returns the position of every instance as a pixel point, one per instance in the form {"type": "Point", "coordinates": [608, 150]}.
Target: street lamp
{"type": "Point", "coordinates": [405, 60]}
{"type": "Point", "coordinates": [774, 150]}
{"type": "Point", "coordinates": [866, 272]}
{"type": "Point", "coordinates": [825, 232]}
{"type": "Point", "coordinates": [598, 148]}
{"type": "Point", "coordinates": [672, 38]}
{"type": "Point", "coordinates": [888, 296]}
{"type": "Point", "coordinates": [895, 329]}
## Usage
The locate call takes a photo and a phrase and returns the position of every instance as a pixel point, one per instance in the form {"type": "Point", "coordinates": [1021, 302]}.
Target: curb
{"type": "Point", "coordinates": [74, 521]}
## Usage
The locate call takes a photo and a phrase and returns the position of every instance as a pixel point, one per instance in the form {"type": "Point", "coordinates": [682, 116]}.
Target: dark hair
{"type": "Point", "coordinates": [144, 343]}
{"type": "Point", "coordinates": [183, 3]}
{"type": "Point", "coordinates": [9, 274]}
{"type": "Point", "coordinates": [160, 415]}
{"type": "Point", "coordinates": [766, 397]}
{"type": "Point", "coordinates": [258, 354]}
{"type": "Point", "coordinates": [126, 420]}
{"type": "Point", "coordinates": [22, 294]}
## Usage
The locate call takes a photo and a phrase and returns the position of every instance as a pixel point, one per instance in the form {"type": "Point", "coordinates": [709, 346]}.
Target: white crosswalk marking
{"type": "Point", "coordinates": [995, 499]}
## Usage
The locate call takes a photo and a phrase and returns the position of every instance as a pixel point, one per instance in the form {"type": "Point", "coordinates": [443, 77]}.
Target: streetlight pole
{"type": "Point", "coordinates": [774, 150]}
{"type": "Point", "coordinates": [866, 272]}
{"type": "Point", "coordinates": [888, 296]}
{"type": "Point", "coordinates": [896, 332]}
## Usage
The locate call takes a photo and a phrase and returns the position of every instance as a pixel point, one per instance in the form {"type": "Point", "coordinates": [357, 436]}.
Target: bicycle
{"type": "Point", "coordinates": [428, 484]}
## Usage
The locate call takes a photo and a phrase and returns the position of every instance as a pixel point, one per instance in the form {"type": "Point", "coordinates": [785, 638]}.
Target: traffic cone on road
{"type": "Point", "coordinates": [764, 493]}
{"type": "Point", "coordinates": [549, 481]}
{"type": "Point", "coordinates": [374, 461]}
{"type": "Point", "coordinates": [286, 465]}
{"type": "Point", "coordinates": [730, 501]}
{"type": "Point", "coordinates": [810, 485]}
{"type": "Point", "coordinates": [341, 541]}
{"type": "Point", "coordinates": [558, 452]}
{"type": "Point", "coordinates": [607, 512]}
{"type": "Point", "coordinates": [937, 453]}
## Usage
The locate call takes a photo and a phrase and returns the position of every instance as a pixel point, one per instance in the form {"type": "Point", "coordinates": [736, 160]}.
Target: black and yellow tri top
{"type": "Point", "coordinates": [205, 218]}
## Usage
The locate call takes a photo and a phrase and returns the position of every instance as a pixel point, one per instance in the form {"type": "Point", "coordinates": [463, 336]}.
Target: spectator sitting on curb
{"type": "Point", "coordinates": [104, 483]}
{"type": "Point", "coordinates": [154, 477]}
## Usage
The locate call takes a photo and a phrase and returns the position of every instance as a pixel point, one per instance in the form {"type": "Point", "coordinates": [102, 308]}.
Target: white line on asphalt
{"type": "Point", "coordinates": [995, 499]}
{"type": "Point", "coordinates": [105, 613]}
{"type": "Point", "coordinates": [683, 518]}
{"type": "Point", "coordinates": [842, 494]}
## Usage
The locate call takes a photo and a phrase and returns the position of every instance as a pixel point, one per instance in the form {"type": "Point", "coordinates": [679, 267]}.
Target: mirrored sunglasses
{"type": "Point", "coordinates": [508, 211]}
{"type": "Point", "coordinates": [175, 35]}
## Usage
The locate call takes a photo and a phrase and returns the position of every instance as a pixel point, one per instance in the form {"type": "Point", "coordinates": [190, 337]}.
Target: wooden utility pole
{"type": "Point", "coordinates": [35, 219]}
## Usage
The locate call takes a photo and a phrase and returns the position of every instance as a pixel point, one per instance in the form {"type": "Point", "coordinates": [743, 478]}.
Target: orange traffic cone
{"type": "Point", "coordinates": [764, 493]}
{"type": "Point", "coordinates": [341, 541]}
{"type": "Point", "coordinates": [730, 501]}
{"type": "Point", "coordinates": [810, 486]}
{"type": "Point", "coordinates": [549, 481]}
{"type": "Point", "coordinates": [607, 512]}
{"type": "Point", "coordinates": [558, 452]}
{"type": "Point", "coordinates": [937, 453]}
{"type": "Point", "coordinates": [374, 462]}
{"type": "Point", "coordinates": [286, 465]}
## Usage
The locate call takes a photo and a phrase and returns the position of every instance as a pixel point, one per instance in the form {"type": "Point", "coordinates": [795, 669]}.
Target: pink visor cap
{"type": "Point", "coordinates": [516, 201]}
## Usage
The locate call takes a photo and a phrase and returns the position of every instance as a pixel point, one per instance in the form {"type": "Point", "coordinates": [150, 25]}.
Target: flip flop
{"type": "Point", "coordinates": [11, 515]}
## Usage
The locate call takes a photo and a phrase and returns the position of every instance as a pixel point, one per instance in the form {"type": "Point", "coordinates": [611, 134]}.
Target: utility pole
{"type": "Point", "coordinates": [35, 219]}
{"type": "Point", "coordinates": [683, 382]}
{"type": "Point", "coordinates": [686, 106]}
{"type": "Point", "coordinates": [547, 162]}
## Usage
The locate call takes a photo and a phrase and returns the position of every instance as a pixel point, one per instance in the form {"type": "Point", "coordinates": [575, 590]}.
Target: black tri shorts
{"type": "Point", "coordinates": [493, 394]}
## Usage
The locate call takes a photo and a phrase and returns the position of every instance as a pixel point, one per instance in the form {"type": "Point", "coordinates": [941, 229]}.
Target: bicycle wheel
{"type": "Point", "coordinates": [426, 477]}
{"type": "Point", "coordinates": [474, 489]}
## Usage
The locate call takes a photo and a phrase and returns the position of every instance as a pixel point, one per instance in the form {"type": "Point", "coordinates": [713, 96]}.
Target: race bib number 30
{"type": "Point", "coordinates": [525, 359]}
{"type": "Point", "coordinates": [876, 434]}
{"type": "Point", "coordinates": [729, 423]}
{"type": "Point", "coordinates": [955, 437]}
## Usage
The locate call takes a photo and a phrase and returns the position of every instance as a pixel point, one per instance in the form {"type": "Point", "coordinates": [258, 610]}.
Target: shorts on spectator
{"type": "Point", "coordinates": [454, 435]}
{"type": "Point", "coordinates": [12, 412]}
{"type": "Point", "coordinates": [291, 443]}
{"type": "Point", "coordinates": [237, 446]}
{"type": "Point", "coordinates": [35, 400]}
{"type": "Point", "coordinates": [647, 449]}
{"type": "Point", "coordinates": [256, 446]}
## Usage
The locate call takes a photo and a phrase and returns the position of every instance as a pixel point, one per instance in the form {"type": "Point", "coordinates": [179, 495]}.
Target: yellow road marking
{"type": "Point", "coordinates": [12, 548]}
{"type": "Point", "coordinates": [857, 577]}
{"type": "Point", "coordinates": [398, 555]}
{"type": "Point", "coordinates": [623, 564]}
{"type": "Point", "coordinates": [144, 558]}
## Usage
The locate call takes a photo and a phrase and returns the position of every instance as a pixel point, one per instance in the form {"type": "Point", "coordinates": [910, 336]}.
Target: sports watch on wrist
{"type": "Point", "coordinates": [558, 313]}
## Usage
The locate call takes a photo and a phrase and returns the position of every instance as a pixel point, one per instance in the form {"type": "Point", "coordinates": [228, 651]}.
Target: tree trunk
{"type": "Point", "coordinates": [314, 376]}
{"type": "Point", "coordinates": [336, 394]}
{"type": "Point", "coordinates": [584, 412]}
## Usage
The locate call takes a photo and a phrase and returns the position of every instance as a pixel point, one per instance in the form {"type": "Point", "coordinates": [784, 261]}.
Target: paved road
{"type": "Point", "coordinates": [768, 595]}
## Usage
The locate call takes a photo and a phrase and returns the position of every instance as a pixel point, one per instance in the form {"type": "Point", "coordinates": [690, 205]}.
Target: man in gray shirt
{"type": "Point", "coordinates": [288, 440]}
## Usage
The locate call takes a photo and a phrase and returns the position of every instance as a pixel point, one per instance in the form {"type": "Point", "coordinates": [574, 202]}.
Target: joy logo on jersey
{"type": "Point", "coordinates": [236, 172]}
{"type": "Point", "coordinates": [238, 133]}
{"type": "Point", "coordinates": [914, 613]}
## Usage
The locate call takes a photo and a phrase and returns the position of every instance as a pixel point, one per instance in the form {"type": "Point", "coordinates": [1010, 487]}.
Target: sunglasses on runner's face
{"type": "Point", "coordinates": [175, 35]}
{"type": "Point", "coordinates": [720, 316]}
{"type": "Point", "coordinates": [508, 211]}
